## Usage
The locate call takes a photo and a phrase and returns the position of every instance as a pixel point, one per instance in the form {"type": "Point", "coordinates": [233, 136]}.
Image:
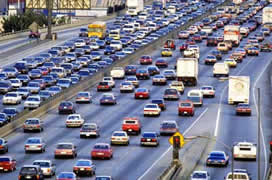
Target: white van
{"type": "Point", "coordinates": [60, 71]}
{"type": "Point", "coordinates": [195, 96]}
{"type": "Point", "coordinates": [171, 9]}
{"type": "Point", "coordinates": [221, 69]}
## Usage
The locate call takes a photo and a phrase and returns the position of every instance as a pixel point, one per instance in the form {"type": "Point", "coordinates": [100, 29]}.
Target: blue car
{"type": "Point", "coordinates": [217, 158]}
{"type": "Point", "coordinates": [3, 119]}
{"type": "Point", "coordinates": [54, 90]}
{"type": "Point", "coordinates": [109, 50]}
{"type": "Point", "coordinates": [10, 112]}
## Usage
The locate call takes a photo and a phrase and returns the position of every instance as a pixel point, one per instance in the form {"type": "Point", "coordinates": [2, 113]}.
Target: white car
{"type": "Point", "coordinates": [94, 46]}
{"type": "Point", "coordinates": [238, 175]}
{"type": "Point", "coordinates": [47, 166]}
{"type": "Point", "coordinates": [117, 44]}
{"type": "Point", "coordinates": [126, 86]}
{"type": "Point", "coordinates": [32, 102]}
{"type": "Point", "coordinates": [133, 80]}
{"type": "Point", "coordinates": [245, 150]}
{"type": "Point", "coordinates": [110, 80]}
{"type": "Point", "coordinates": [16, 83]}
{"type": "Point", "coordinates": [208, 91]}
{"type": "Point", "coordinates": [117, 73]}
{"type": "Point", "coordinates": [207, 29]}
{"type": "Point", "coordinates": [200, 175]}
{"type": "Point", "coordinates": [12, 98]}
{"type": "Point", "coordinates": [35, 144]}
{"type": "Point", "coordinates": [80, 43]}
{"type": "Point", "coordinates": [74, 120]}
{"type": "Point", "coordinates": [152, 110]}
{"type": "Point", "coordinates": [119, 137]}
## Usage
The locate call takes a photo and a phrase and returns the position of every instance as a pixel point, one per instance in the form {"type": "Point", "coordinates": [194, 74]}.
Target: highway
{"type": "Point", "coordinates": [133, 161]}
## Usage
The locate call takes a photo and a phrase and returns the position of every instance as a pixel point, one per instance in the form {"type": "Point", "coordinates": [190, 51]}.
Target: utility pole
{"type": "Point", "coordinates": [232, 161]}
{"type": "Point", "coordinates": [259, 133]}
{"type": "Point", "coordinates": [49, 4]}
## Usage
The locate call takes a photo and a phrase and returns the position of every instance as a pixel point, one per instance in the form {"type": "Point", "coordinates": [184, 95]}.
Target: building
{"type": "Point", "coordinates": [3, 7]}
{"type": "Point", "coordinates": [19, 5]}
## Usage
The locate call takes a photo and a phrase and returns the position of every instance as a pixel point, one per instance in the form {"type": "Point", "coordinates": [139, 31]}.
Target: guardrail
{"type": "Point", "coordinates": [90, 82]}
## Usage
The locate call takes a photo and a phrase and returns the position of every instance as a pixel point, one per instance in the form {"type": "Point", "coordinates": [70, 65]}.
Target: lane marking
{"type": "Point", "coordinates": [261, 130]}
{"type": "Point", "coordinates": [185, 132]}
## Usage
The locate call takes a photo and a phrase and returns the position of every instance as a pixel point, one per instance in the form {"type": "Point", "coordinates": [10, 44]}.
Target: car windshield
{"type": "Point", "coordinates": [4, 84]}
{"type": "Point", "coordinates": [32, 99]}
{"type": "Point", "coordinates": [83, 163]}
{"type": "Point", "coordinates": [32, 121]}
{"type": "Point", "coordinates": [73, 117]}
{"type": "Point", "coordinates": [170, 91]}
{"type": "Point", "coordinates": [151, 106]}
{"type": "Point", "coordinates": [168, 125]}
{"type": "Point", "coordinates": [119, 134]}
{"type": "Point", "coordinates": [194, 98]}
{"type": "Point", "coordinates": [11, 95]}
{"type": "Point", "coordinates": [199, 175]}
{"type": "Point", "coordinates": [4, 159]}
{"type": "Point", "coordinates": [42, 164]}
{"type": "Point", "coordinates": [64, 81]}
{"type": "Point", "coordinates": [83, 94]}
{"type": "Point", "coordinates": [33, 141]}
{"type": "Point", "coordinates": [100, 146]}
{"type": "Point", "coordinates": [243, 106]}
{"type": "Point", "coordinates": [217, 156]}
{"type": "Point", "coordinates": [64, 146]}
{"type": "Point", "coordinates": [206, 88]}
{"type": "Point", "coordinates": [22, 90]}
{"type": "Point", "coordinates": [141, 90]}
{"type": "Point", "coordinates": [28, 170]}
{"type": "Point", "coordinates": [33, 85]}
{"type": "Point", "coordinates": [107, 97]}
{"type": "Point", "coordinates": [66, 175]}
{"type": "Point", "coordinates": [9, 111]}
{"type": "Point", "coordinates": [89, 127]}
{"type": "Point", "coordinates": [149, 135]}
{"type": "Point", "coordinates": [157, 101]}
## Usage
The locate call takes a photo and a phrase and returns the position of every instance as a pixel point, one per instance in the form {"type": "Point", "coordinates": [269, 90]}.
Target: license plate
{"type": "Point", "coordinates": [81, 169]}
{"type": "Point", "coordinates": [63, 153]}
{"type": "Point", "coordinates": [185, 112]}
{"type": "Point", "coordinates": [130, 130]}
{"type": "Point", "coordinates": [106, 100]}
{"type": "Point", "coordinates": [28, 177]}
{"type": "Point", "coordinates": [87, 134]}
{"type": "Point", "coordinates": [148, 139]}
{"type": "Point", "coordinates": [100, 153]}
{"type": "Point", "coordinates": [141, 95]}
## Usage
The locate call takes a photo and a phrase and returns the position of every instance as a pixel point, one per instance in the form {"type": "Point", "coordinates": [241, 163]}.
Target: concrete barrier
{"type": "Point", "coordinates": [90, 82]}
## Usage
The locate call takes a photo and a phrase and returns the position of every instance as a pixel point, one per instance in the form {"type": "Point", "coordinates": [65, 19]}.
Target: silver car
{"type": "Point", "coordinates": [35, 144]}
{"type": "Point", "coordinates": [47, 166]}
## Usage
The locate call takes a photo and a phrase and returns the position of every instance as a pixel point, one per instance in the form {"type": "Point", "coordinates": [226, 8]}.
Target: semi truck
{"type": "Point", "coordinates": [135, 7]}
{"type": "Point", "coordinates": [232, 33]}
{"type": "Point", "coordinates": [239, 87]}
{"type": "Point", "coordinates": [187, 71]}
{"type": "Point", "coordinates": [267, 17]}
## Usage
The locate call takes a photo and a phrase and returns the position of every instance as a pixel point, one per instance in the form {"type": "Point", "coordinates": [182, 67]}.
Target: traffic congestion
{"type": "Point", "coordinates": [137, 106]}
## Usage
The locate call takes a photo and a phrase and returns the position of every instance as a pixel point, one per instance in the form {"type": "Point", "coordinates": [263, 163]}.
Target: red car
{"type": "Point", "coordinates": [211, 41]}
{"type": "Point", "coordinates": [183, 47]}
{"type": "Point", "coordinates": [44, 70]}
{"type": "Point", "coordinates": [104, 86]}
{"type": "Point", "coordinates": [102, 150]}
{"type": "Point", "coordinates": [186, 108]}
{"type": "Point", "coordinates": [7, 163]}
{"type": "Point", "coordinates": [190, 42]}
{"type": "Point", "coordinates": [141, 93]}
{"type": "Point", "coordinates": [170, 44]}
{"type": "Point", "coordinates": [145, 60]}
{"type": "Point", "coordinates": [131, 124]}
{"type": "Point", "coordinates": [161, 63]}
{"type": "Point", "coordinates": [67, 176]}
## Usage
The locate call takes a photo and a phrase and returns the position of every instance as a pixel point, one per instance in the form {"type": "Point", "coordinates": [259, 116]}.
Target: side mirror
{"type": "Point", "coordinates": [5, 141]}
{"type": "Point", "coordinates": [75, 147]}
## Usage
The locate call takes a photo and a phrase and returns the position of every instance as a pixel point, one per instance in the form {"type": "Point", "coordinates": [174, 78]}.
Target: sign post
{"type": "Point", "coordinates": [177, 141]}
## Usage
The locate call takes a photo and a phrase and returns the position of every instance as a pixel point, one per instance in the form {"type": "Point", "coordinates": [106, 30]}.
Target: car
{"type": "Point", "coordinates": [141, 93]}
{"type": "Point", "coordinates": [119, 137]}
{"type": "Point", "coordinates": [217, 158]}
{"type": "Point", "coordinates": [145, 60]}
{"type": "Point", "coordinates": [84, 167]}
{"type": "Point", "coordinates": [208, 91]}
{"type": "Point", "coordinates": [3, 146]}
{"type": "Point", "coordinates": [153, 70]}
{"type": "Point", "coordinates": [3, 119]}
{"type": "Point", "coordinates": [33, 124]}
{"type": "Point", "coordinates": [186, 108]}
{"type": "Point", "coordinates": [23, 78]}
{"type": "Point", "coordinates": [44, 94]}
{"type": "Point", "coordinates": [102, 151]}
{"type": "Point", "coordinates": [104, 86]}
{"type": "Point", "coordinates": [210, 59]}
{"type": "Point", "coordinates": [67, 107]}
{"type": "Point", "coordinates": [131, 125]}
{"type": "Point", "coordinates": [126, 86]}
{"type": "Point", "coordinates": [35, 144]}
{"type": "Point", "coordinates": [166, 52]}
{"type": "Point", "coordinates": [231, 62]}
{"type": "Point", "coordinates": [245, 150]}
{"type": "Point", "coordinates": [142, 74]}
{"type": "Point", "coordinates": [170, 43]}
{"type": "Point", "coordinates": [32, 102]}
{"type": "Point", "coordinates": [200, 175]}
{"type": "Point", "coordinates": [34, 87]}
{"type": "Point", "coordinates": [108, 98]}
{"type": "Point", "coordinates": [253, 51]}
{"type": "Point", "coordinates": [67, 176]}
{"type": "Point", "coordinates": [196, 96]}
{"type": "Point", "coordinates": [178, 85]}
{"type": "Point", "coordinates": [150, 139]}
{"type": "Point", "coordinates": [10, 112]}
{"type": "Point", "coordinates": [7, 163]}
{"type": "Point", "coordinates": [168, 127]}
{"type": "Point", "coordinates": [35, 73]}
{"type": "Point", "coordinates": [161, 63]}
{"type": "Point", "coordinates": [84, 97]}
{"type": "Point", "coordinates": [223, 47]}
{"type": "Point", "coordinates": [183, 35]}
{"type": "Point", "coordinates": [64, 83]}
{"type": "Point", "coordinates": [12, 98]}
{"type": "Point", "coordinates": [159, 80]}
{"type": "Point", "coordinates": [183, 47]}
{"type": "Point", "coordinates": [238, 174]}
{"type": "Point", "coordinates": [133, 80]}
{"type": "Point", "coordinates": [30, 172]}
{"type": "Point", "coordinates": [103, 178]}
{"type": "Point", "coordinates": [117, 73]}
{"type": "Point", "coordinates": [110, 80]}
{"type": "Point", "coordinates": [169, 74]}
{"type": "Point", "coordinates": [16, 83]}
{"type": "Point", "coordinates": [11, 72]}
{"type": "Point", "coordinates": [152, 110]}
{"type": "Point", "coordinates": [47, 166]}
{"type": "Point", "coordinates": [74, 120]}
{"type": "Point", "coordinates": [64, 150]}
{"type": "Point", "coordinates": [171, 94]}
{"type": "Point", "coordinates": [243, 108]}
{"type": "Point", "coordinates": [266, 47]}
{"type": "Point", "coordinates": [217, 54]}
{"type": "Point", "coordinates": [211, 41]}
{"type": "Point", "coordinates": [89, 130]}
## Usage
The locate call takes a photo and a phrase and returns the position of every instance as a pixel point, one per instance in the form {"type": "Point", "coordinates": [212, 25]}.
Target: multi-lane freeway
{"type": "Point", "coordinates": [133, 161]}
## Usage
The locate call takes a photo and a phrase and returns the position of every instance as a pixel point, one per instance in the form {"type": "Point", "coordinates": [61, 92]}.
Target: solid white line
{"type": "Point", "coordinates": [255, 102]}
{"type": "Point", "coordinates": [217, 120]}
{"type": "Point", "coordinates": [185, 132]}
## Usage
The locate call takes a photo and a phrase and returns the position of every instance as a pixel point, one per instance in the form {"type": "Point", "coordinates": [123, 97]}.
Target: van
{"type": "Point", "coordinates": [21, 66]}
{"type": "Point", "coordinates": [221, 69]}
{"type": "Point", "coordinates": [60, 71]}
{"type": "Point", "coordinates": [238, 174]}
{"type": "Point", "coordinates": [195, 96]}
{"type": "Point", "coordinates": [171, 9]}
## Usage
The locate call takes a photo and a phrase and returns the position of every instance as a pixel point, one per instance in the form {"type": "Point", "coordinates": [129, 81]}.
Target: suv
{"type": "Point", "coordinates": [32, 172]}
{"type": "Point", "coordinates": [131, 125]}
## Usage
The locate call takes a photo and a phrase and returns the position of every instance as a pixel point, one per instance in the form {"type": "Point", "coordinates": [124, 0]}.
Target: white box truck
{"type": "Point", "coordinates": [239, 87]}
{"type": "Point", "coordinates": [135, 7]}
{"type": "Point", "coordinates": [187, 71]}
{"type": "Point", "coordinates": [232, 33]}
{"type": "Point", "coordinates": [267, 17]}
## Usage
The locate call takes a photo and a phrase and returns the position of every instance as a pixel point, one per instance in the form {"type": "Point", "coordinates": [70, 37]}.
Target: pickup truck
{"type": "Point", "coordinates": [131, 125]}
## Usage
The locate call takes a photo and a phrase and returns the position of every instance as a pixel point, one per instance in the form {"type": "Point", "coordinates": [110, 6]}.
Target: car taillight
{"type": "Point", "coordinates": [38, 176]}
{"type": "Point", "coordinates": [124, 138]}
{"type": "Point", "coordinates": [27, 146]}
{"type": "Point", "coordinates": [48, 170]}
{"type": "Point", "coordinates": [76, 168]}
{"type": "Point", "coordinates": [142, 139]}
{"type": "Point", "coordinates": [39, 146]}
{"type": "Point", "coordinates": [154, 140]}
{"type": "Point", "coordinates": [1, 146]}
{"type": "Point", "coordinates": [112, 138]}
{"type": "Point", "coordinates": [19, 177]}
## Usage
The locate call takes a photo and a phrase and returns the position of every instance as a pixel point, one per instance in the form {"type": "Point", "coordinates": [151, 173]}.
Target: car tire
{"type": "Point", "coordinates": [81, 136]}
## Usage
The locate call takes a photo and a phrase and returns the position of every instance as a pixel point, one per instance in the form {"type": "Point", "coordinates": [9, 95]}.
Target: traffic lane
{"type": "Point", "coordinates": [236, 133]}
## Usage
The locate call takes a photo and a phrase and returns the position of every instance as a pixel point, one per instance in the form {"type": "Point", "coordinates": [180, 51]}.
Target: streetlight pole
{"type": "Point", "coordinates": [259, 133]}
{"type": "Point", "coordinates": [49, 19]}
{"type": "Point", "coordinates": [232, 165]}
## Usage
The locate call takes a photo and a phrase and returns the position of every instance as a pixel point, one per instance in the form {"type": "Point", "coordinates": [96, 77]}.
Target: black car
{"type": "Point", "coordinates": [130, 70]}
{"type": "Point", "coordinates": [32, 172]}
{"type": "Point", "coordinates": [67, 107]}
{"type": "Point", "coordinates": [10, 112]}
{"type": "Point", "coordinates": [153, 70]}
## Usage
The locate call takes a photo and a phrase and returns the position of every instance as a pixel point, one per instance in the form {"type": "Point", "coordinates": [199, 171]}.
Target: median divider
{"type": "Point", "coordinates": [89, 82]}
